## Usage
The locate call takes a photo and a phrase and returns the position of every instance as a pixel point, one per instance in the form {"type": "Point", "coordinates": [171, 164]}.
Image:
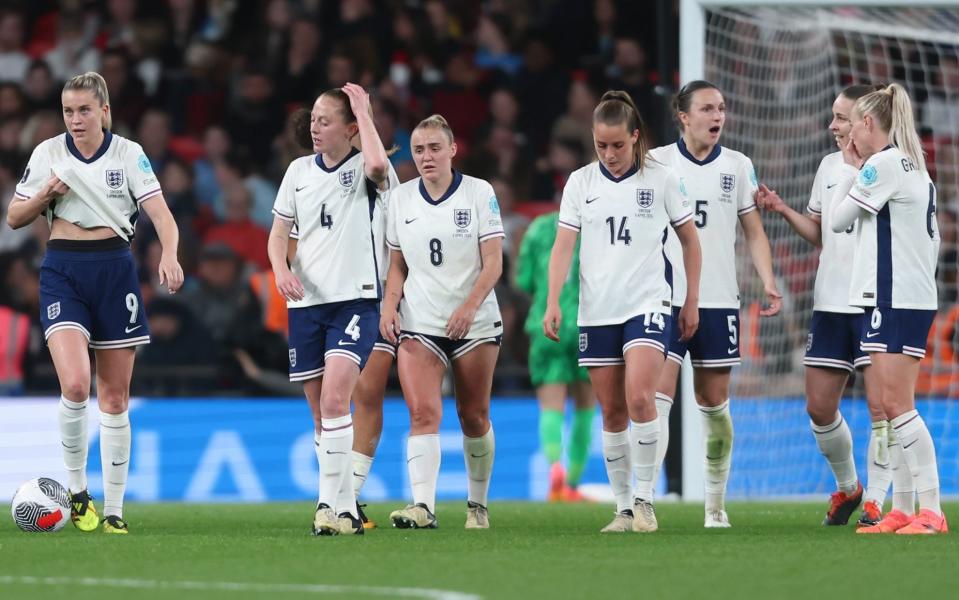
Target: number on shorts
{"type": "Point", "coordinates": [656, 318]}
{"type": "Point", "coordinates": [436, 252]}
{"type": "Point", "coordinates": [133, 305]}
{"type": "Point", "coordinates": [876, 319]}
{"type": "Point", "coordinates": [353, 329]}
{"type": "Point", "coordinates": [733, 332]}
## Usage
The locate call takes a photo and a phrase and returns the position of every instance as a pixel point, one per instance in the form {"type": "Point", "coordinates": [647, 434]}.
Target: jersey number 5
{"type": "Point", "coordinates": [701, 213]}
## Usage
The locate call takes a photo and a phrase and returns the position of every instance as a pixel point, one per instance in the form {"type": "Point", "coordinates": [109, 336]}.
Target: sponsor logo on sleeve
{"type": "Point", "coordinates": [144, 164]}
{"type": "Point", "coordinates": [868, 175]}
{"type": "Point", "coordinates": [493, 205]}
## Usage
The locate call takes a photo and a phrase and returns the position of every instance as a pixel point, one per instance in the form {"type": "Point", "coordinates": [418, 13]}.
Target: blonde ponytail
{"type": "Point", "coordinates": [437, 122]}
{"type": "Point", "coordinates": [892, 110]}
{"type": "Point", "coordinates": [91, 81]}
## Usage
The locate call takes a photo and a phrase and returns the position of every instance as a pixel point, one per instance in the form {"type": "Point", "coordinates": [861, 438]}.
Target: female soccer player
{"type": "Point", "coordinates": [90, 184]}
{"type": "Point", "coordinates": [622, 207]}
{"type": "Point", "coordinates": [446, 240]}
{"type": "Point", "coordinates": [332, 286]}
{"type": "Point", "coordinates": [832, 348]}
{"type": "Point", "coordinates": [721, 183]}
{"type": "Point", "coordinates": [553, 368]}
{"type": "Point", "coordinates": [884, 184]}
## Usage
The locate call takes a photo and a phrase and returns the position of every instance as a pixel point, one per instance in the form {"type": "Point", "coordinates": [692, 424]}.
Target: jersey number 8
{"type": "Point", "coordinates": [436, 252]}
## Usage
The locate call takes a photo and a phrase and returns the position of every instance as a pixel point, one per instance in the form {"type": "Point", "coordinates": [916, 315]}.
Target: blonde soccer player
{"type": "Point", "coordinates": [90, 185]}
{"type": "Point", "coordinates": [621, 208]}
{"type": "Point", "coordinates": [721, 184]}
{"type": "Point", "coordinates": [832, 347]}
{"type": "Point", "coordinates": [884, 184]}
{"type": "Point", "coordinates": [332, 286]}
{"type": "Point", "coordinates": [446, 240]}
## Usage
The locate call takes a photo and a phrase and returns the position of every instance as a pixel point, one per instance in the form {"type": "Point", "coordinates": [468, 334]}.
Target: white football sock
{"type": "Point", "coordinates": [361, 469]}
{"type": "Point", "coordinates": [115, 460]}
{"type": "Point", "coordinates": [423, 462]}
{"type": "Point", "coordinates": [903, 488]}
{"type": "Point", "coordinates": [920, 455]}
{"type": "Point", "coordinates": [479, 453]}
{"type": "Point", "coordinates": [616, 451]}
{"type": "Point", "coordinates": [72, 417]}
{"type": "Point", "coordinates": [718, 432]}
{"type": "Point", "coordinates": [835, 443]}
{"type": "Point", "coordinates": [333, 451]}
{"type": "Point", "coordinates": [878, 471]}
{"type": "Point", "coordinates": [643, 441]}
{"type": "Point", "coordinates": [663, 405]}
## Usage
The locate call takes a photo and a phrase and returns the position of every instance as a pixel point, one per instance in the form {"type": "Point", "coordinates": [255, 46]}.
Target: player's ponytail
{"type": "Point", "coordinates": [616, 107]}
{"type": "Point", "coordinates": [91, 81]}
{"type": "Point", "coordinates": [892, 111]}
{"type": "Point", "coordinates": [437, 122]}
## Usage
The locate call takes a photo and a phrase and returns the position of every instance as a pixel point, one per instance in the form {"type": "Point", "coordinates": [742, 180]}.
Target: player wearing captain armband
{"type": "Point", "coordinates": [90, 185]}
{"type": "Point", "coordinates": [832, 349]}
{"type": "Point", "coordinates": [884, 184]}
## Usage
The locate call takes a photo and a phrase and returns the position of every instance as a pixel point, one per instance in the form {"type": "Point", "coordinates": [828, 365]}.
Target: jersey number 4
{"type": "Point", "coordinates": [326, 219]}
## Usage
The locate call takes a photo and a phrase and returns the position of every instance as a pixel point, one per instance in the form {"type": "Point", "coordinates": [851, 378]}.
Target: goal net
{"type": "Point", "coordinates": [780, 68]}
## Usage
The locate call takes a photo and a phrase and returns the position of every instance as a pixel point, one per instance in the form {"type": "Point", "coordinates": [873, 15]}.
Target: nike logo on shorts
{"type": "Point", "coordinates": [648, 330]}
{"type": "Point", "coordinates": [132, 329]}
{"type": "Point", "coordinates": [732, 351]}
{"type": "Point", "coordinates": [342, 343]}
{"type": "Point", "coordinates": [872, 334]}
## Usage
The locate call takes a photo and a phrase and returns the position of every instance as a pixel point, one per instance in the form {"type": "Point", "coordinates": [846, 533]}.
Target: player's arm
{"type": "Point", "coordinates": [376, 164]}
{"type": "Point", "coordinates": [462, 318]}
{"type": "Point", "coordinates": [277, 248]}
{"type": "Point", "coordinates": [809, 227]}
{"type": "Point", "coordinates": [693, 263]}
{"type": "Point", "coordinates": [23, 211]}
{"type": "Point", "coordinates": [762, 259]}
{"type": "Point", "coordinates": [171, 273]}
{"type": "Point", "coordinates": [559, 260]}
{"type": "Point", "coordinates": [395, 278]}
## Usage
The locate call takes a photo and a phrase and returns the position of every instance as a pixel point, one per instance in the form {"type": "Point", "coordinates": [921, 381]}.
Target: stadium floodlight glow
{"type": "Point", "coordinates": [780, 65]}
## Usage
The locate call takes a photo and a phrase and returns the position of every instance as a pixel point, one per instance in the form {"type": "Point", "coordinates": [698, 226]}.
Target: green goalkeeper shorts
{"type": "Point", "coordinates": [551, 362]}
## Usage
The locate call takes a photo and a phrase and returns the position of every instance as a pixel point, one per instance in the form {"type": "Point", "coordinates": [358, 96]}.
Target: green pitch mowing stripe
{"type": "Point", "coordinates": [239, 551]}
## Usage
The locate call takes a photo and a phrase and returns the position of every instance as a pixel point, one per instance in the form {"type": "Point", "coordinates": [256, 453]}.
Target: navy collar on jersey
{"type": "Point", "coordinates": [457, 179]}
{"type": "Point", "coordinates": [333, 169]}
{"type": "Point", "coordinates": [632, 171]}
{"type": "Point", "coordinates": [104, 146]}
{"type": "Point", "coordinates": [713, 155]}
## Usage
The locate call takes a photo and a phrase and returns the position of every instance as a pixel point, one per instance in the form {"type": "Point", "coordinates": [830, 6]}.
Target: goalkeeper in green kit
{"type": "Point", "coordinates": [553, 366]}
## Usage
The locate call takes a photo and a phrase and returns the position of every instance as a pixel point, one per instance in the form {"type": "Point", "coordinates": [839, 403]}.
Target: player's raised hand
{"type": "Point", "coordinates": [768, 199]}
{"type": "Point", "coordinates": [359, 99]}
{"type": "Point", "coordinates": [171, 274]}
{"type": "Point", "coordinates": [289, 285]}
{"type": "Point", "coordinates": [461, 321]}
{"type": "Point", "coordinates": [390, 325]}
{"type": "Point", "coordinates": [851, 155]}
{"type": "Point", "coordinates": [774, 301]}
{"type": "Point", "coordinates": [551, 321]}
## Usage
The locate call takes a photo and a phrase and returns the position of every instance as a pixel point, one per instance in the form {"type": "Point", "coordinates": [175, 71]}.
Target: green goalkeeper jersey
{"type": "Point", "coordinates": [532, 276]}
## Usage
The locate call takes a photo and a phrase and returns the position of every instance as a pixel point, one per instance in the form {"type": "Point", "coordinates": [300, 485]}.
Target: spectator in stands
{"type": "Point", "coordinates": [154, 136]}
{"type": "Point", "coordinates": [20, 294]}
{"type": "Point", "coordinates": [238, 231]}
{"type": "Point", "coordinates": [73, 52]}
{"type": "Point", "coordinates": [127, 95]}
{"type": "Point", "coordinates": [12, 101]}
{"type": "Point", "coordinates": [234, 168]}
{"type": "Point", "coordinates": [540, 85]}
{"type": "Point", "coordinates": [13, 60]}
{"type": "Point", "coordinates": [302, 70]}
{"type": "Point", "coordinates": [494, 48]}
{"type": "Point", "coordinates": [40, 88]}
{"type": "Point", "coordinates": [941, 114]}
{"type": "Point", "coordinates": [252, 115]}
{"type": "Point", "coordinates": [577, 122]}
{"type": "Point", "coordinates": [177, 337]}
{"type": "Point", "coordinates": [629, 72]}
{"type": "Point", "coordinates": [177, 181]}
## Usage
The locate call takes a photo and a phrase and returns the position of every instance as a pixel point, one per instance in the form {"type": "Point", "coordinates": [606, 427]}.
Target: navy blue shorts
{"type": "Point", "coordinates": [93, 290]}
{"type": "Point", "coordinates": [444, 348]}
{"type": "Point", "coordinates": [347, 329]}
{"type": "Point", "coordinates": [605, 345]}
{"type": "Point", "coordinates": [896, 331]}
{"type": "Point", "coordinates": [384, 345]}
{"type": "Point", "coordinates": [715, 344]}
{"type": "Point", "coordinates": [833, 341]}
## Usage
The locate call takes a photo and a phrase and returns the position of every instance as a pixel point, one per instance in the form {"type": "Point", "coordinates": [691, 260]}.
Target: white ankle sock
{"type": "Point", "coordinates": [920, 455]}
{"type": "Point", "coordinates": [718, 432]}
{"type": "Point", "coordinates": [423, 462]}
{"type": "Point", "coordinates": [616, 451]}
{"type": "Point", "coordinates": [479, 453]}
{"type": "Point", "coordinates": [115, 459]}
{"type": "Point", "coordinates": [835, 443]}
{"type": "Point", "coordinates": [72, 417]}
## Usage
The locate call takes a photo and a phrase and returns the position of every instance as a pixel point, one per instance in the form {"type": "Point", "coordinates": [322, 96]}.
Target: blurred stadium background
{"type": "Point", "coordinates": [207, 87]}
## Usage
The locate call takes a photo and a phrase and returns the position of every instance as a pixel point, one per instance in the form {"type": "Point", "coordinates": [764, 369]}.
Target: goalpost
{"type": "Point", "coordinates": [780, 65]}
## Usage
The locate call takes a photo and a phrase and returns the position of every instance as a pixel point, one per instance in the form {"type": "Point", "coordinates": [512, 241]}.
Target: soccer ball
{"type": "Point", "coordinates": [41, 505]}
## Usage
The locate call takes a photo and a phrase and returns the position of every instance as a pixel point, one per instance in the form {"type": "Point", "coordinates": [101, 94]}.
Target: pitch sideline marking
{"type": "Point", "coordinates": [231, 586]}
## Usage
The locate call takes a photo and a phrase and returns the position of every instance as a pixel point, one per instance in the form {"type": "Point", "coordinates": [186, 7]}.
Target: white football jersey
{"type": "Point", "coordinates": [721, 188]}
{"type": "Point", "coordinates": [332, 210]}
{"type": "Point", "coordinates": [898, 242]}
{"type": "Point", "coordinates": [440, 241]}
{"type": "Point", "coordinates": [105, 190]}
{"type": "Point", "coordinates": [622, 222]}
{"type": "Point", "coordinates": [831, 292]}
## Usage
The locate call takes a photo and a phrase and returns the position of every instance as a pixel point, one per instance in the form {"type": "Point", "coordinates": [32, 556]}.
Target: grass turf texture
{"type": "Point", "coordinates": [774, 550]}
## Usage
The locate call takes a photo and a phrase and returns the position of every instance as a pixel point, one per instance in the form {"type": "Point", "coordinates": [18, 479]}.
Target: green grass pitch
{"type": "Point", "coordinates": [239, 551]}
